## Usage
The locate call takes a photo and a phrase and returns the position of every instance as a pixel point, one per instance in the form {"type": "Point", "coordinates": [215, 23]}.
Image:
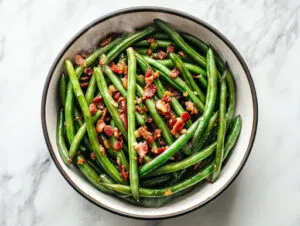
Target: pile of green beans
{"type": "Point", "coordinates": [148, 115]}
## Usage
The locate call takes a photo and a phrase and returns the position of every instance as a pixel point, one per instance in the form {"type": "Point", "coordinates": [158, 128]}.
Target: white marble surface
{"type": "Point", "coordinates": [267, 192]}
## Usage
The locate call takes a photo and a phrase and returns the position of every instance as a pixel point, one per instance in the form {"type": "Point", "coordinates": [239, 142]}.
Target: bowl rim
{"type": "Point", "coordinates": [168, 11]}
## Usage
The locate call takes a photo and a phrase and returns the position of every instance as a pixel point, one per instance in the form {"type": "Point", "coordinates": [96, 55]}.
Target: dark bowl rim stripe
{"type": "Point", "coordinates": [167, 11]}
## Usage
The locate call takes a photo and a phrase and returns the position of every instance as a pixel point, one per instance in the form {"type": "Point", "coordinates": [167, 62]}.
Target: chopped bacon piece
{"type": "Point", "coordinates": [84, 84]}
{"type": "Point", "coordinates": [161, 55]}
{"type": "Point", "coordinates": [106, 143]}
{"type": "Point", "coordinates": [138, 109]}
{"type": "Point", "coordinates": [125, 81]}
{"type": "Point", "coordinates": [181, 53]}
{"type": "Point", "coordinates": [122, 105]}
{"type": "Point", "coordinates": [102, 151]}
{"type": "Point", "coordinates": [149, 80]}
{"type": "Point", "coordinates": [97, 99]}
{"type": "Point", "coordinates": [146, 134]}
{"type": "Point", "coordinates": [109, 131]}
{"type": "Point", "coordinates": [79, 60]}
{"type": "Point", "coordinates": [150, 40]}
{"type": "Point", "coordinates": [170, 49]}
{"type": "Point", "coordinates": [149, 119]}
{"type": "Point", "coordinates": [149, 52]}
{"type": "Point", "coordinates": [174, 73]}
{"type": "Point", "coordinates": [168, 192]}
{"type": "Point", "coordinates": [185, 116]}
{"type": "Point", "coordinates": [142, 149]}
{"type": "Point", "coordinates": [161, 106]}
{"type": "Point", "coordinates": [112, 89]}
{"type": "Point", "coordinates": [155, 74]}
{"type": "Point", "coordinates": [157, 134]}
{"type": "Point", "coordinates": [117, 95]}
{"type": "Point", "coordinates": [80, 161]}
{"type": "Point", "coordinates": [120, 68]}
{"type": "Point", "coordinates": [117, 146]}
{"type": "Point", "coordinates": [117, 132]}
{"type": "Point", "coordinates": [145, 108]}
{"type": "Point", "coordinates": [149, 91]}
{"type": "Point", "coordinates": [124, 173]}
{"type": "Point", "coordinates": [88, 71]}
{"type": "Point", "coordinates": [92, 108]}
{"type": "Point", "coordinates": [104, 114]}
{"type": "Point", "coordinates": [172, 121]}
{"type": "Point", "coordinates": [114, 67]}
{"type": "Point", "coordinates": [100, 125]}
{"type": "Point", "coordinates": [158, 151]}
{"type": "Point", "coordinates": [124, 120]}
{"type": "Point", "coordinates": [102, 61]}
{"type": "Point", "coordinates": [106, 41]}
{"type": "Point", "coordinates": [148, 72]}
{"type": "Point", "coordinates": [191, 107]}
{"type": "Point", "coordinates": [84, 79]}
{"type": "Point", "coordinates": [166, 98]}
{"type": "Point", "coordinates": [178, 126]}
{"type": "Point", "coordinates": [93, 156]}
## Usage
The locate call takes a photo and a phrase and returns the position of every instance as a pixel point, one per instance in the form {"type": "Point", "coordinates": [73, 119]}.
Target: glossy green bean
{"type": "Point", "coordinates": [60, 140]}
{"type": "Point", "coordinates": [234, 133]}
{"type": "Point", "coordinates": [165, 73]}
{"type": "Point", "coordinates": [231, 98]}
{"type": "Point", "coordinates": [179, 41]}
{"type": "Point", "coordinates": [90, 92]}
{"type": "Point", "coordinates": [187, 75]}
{"type": "Point", "coordinates": [109, 101]}
{"type": "Point", "coordinates": [169, 152]}
{"type": "Point", "coordinates": [69, 109]}
{"type": "Point", "coordinates": [105, 162]}
{"type": "Point", "coordinates": [160, 43]}
{"type": "Point", "coordinates": [212, 95]}
{"type": "Point", "coordinates": [80, 134]}
{"type": "Point", "coordinates": [133, 165]}
{"type": "Point", "coordinates": [63, 89]}
{"type": "Point", "coordinates": [155, 181]}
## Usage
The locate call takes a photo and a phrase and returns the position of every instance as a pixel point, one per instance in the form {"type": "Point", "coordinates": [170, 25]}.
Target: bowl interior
{"type": "Point", "coordinates": [128, 21]}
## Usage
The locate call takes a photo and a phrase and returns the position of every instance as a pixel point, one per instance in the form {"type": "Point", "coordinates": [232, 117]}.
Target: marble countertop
{"type": "Point", "coordinates": [266, 32]}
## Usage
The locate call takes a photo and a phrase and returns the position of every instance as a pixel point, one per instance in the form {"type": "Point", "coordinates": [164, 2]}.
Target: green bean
{"type": "Point", "coordinates": [162, 36]}
{"type": "Point", "coordinates": [107, 145]}
{"type": "Point", "coordinates": [147, 192]}
{"type": "Point", "coordinates": [119, 86]}
{"type": "Point", "coordinates": [119, 153]}
{"type": "Point", "coordinates": [204, 48]}
{"type": "Point", "coordinates": [175, 36]}
{"type": "Point", "coordinates": [90, 92]}
{"type": "Point", "coordinates": [208, 130]}
{"type": "Point", "coordinates": [133, 166]}
{"type": "Point", "coordinates": [80, 134]}
{"type": "Point", "coordinates": [60, 140]}
{"type": "Point", "coordinates": [161, 124]}
{"type": "Point", "coordinates": [234, 133]}
{"type": "Point", "coordinates": [109, 101]}
{"type": "Point", "coordinates": [90, 174]}
{"type": "Point", "coordinates": [112, 54]}
{"type": "Point", "coordinates": [142, 51]}
{"type": "Point", "coordinates": [187, 162]}
{"type": "Point", "coordinates": [155, 181]}
{"type": "Point", "coordinates": [69, 109]}
{"type": "Point", "coordinates": [169, 152]}
{"type": "Point", "coordinates": [165, 73]}
{"type": "Point", "coordinates": [105, 162]}
{"type": "Point", "coordinates": [212, 95]}
{"type": "Point", "coordinates": [161, 43]}
{"type": "Point", "coordinates": [187, 75]}
{"type": "Point", "coordinates": [63, 89]}
{"type": "Point", "coordinates": [221, 131]}
{"type": "Point", "coordinates": [231, 97]}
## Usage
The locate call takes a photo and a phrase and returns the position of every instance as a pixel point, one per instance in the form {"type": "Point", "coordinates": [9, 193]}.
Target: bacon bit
{"type": "Point", "coordinates": [80, 161]}
{"type": "Point", "coordinates": [84, 84]}
{"type": "Point", "coordinates": [168, 93]}
{"type": "Point", "coordinates": [122, 105]}
{"type": "Point", "coordinates": [149, 52]}
{"type": "Point", "coordinates": [124, 120]}
{"type": "Point", "coordinates": [138, 109]}
{"type": "Point", "coordinates": [145, 109]}
{"type": "Point", "coordinates": [103, 151]}
{"type": "Point", "coordinates": [104, 114]}
{"type": "Point", "coordinates": [161, 106]}
{"type": "Point", "coordinates": [149, 119]}
{"type": "Point", "coordinates": [181, 53]}
{"type": "Point", "coordinates": [106, 41]}
{"type": "Point", "coordinates": [168, 192]}
{"type": "Point", "coordinates": [178, 126]}
{"type": "Point", "coordinates": [146, 134]}
{"type": "Point", "coordinates": [88, 71]}
{"type": "Point", "coordinates": [142, 149]}
{"type": "Point", "coordinates": [117, 146]}
{"type": "Point", "coordinates": [97, 99]}
{"type": "Point", "coordinates": [93, 156]}
{"type": "Point", "coordinates": [79, 60]}
{"type": "Point", "coordinates": [191, 107]}
{"type": "Point", "coordinates": [137, 134]}
{"type": "Point", "coordinates": [157, 134]}
{"type": "Point", "coordinates": [109, 131]}
{"type": "Point", "coordinates": [149, 80]}
{"type": "Point", "coordinates": [124, 173]}
{"type": "Point", "coordinates": [112, 89]}
{"type": "Point", "coordinates": [148, 72]}
{"type": "Point", "coordinates": [92, 108]}
{"type": "Point", "coordinates": [155, 74]}
{"type": "Point", "coordinates": [157, 151]}
{"type": "Point", "coordinates": [100, 125]}
{"type": "Point", "coordinates": [106, 143]}
{"type": "Point", "coordinates": [185, 116]}
{"type": "Point", "coordinates": [170, 49]}
{"type": "Point", "coordinates": [161, 55]}
{"type": "Point", "coordinates": [84, 79]}
{"type": "Point", "coordinates": [125, 81]}
{"type": "Point", "coordinates": [117, 133]}
{"type": "Point", "coordinates": [172, 122]}
{"type": "Point", "coordinates": [117, 95]}
{"type": "Point", "coordinates": [149, 91]}
{"type": "Point", "coordinates": [120, 68]}
{"type": "Point", "coordinates": [150, 40]}
{"type": "Point", "coordinates": [102, 61]}
{"type": "Point", "coordinates": [174, 73]}
{"type": "Point", "coordinates": [185, 94]}
{"type": "Point", "coordinates": [114, 67]}
{"type": "Point", "coordinates": [166, 98]}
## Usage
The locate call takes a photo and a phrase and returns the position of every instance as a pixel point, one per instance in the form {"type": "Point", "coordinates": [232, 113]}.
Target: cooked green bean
{"type": "Point", "coordinates": [133, 166]}
{"type": "Point", "coordinates": [155, 181]}
{"type": "Point", "coordinates": [90, 92]}
{"type": "Point", "coordinates": [105, 162]}
{"type": "Point", "coordinates": [231, 98]}
{"type": "Point", "coordinates": [69, 109]}
{"type": "Point", "coordinates": [160, 43]}
{"type": "Point", "coordinates": [234, 133]}
{"type": "Point", "coordinates": [63, 89]}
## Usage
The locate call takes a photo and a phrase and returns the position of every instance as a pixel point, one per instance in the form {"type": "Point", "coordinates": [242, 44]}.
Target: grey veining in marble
{"type": "Point", "coordinates": [266, 32]}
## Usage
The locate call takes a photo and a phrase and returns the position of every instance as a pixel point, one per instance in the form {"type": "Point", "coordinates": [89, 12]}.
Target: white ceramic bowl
{"type": "Point", "coordinates": [127, 20]}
